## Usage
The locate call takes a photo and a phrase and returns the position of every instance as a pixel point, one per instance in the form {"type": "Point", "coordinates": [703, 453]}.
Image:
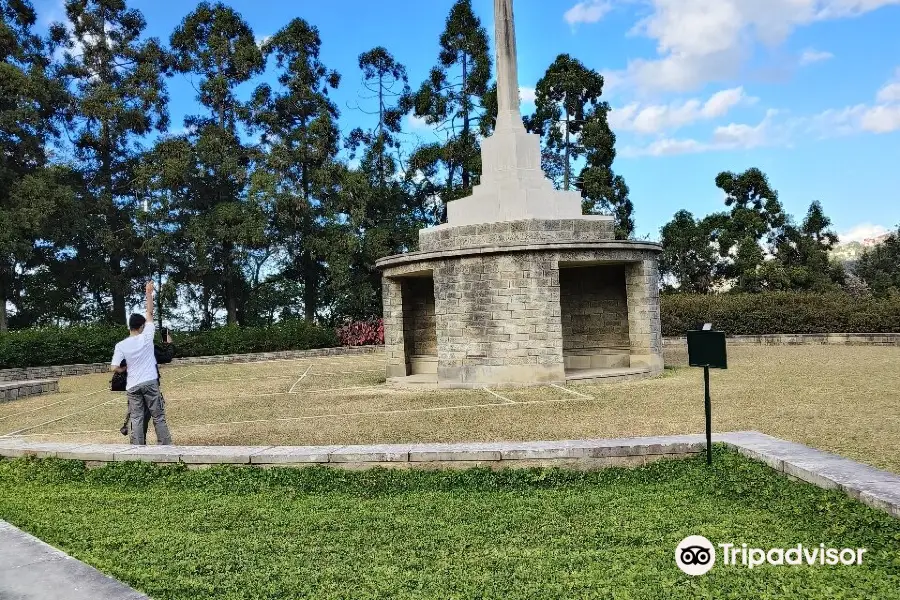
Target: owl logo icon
{"type": "Point", "coordinates": [695, 555]}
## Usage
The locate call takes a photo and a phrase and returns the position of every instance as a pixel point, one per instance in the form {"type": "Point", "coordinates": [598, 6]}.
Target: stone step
{"type": "Point", "coordinates": [13, 390]}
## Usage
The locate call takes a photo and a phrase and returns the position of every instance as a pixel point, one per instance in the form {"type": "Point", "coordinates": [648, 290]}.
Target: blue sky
{"type": "Point", "coordinates": [806, 90]}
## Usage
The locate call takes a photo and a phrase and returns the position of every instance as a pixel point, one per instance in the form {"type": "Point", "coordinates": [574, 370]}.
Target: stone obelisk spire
{"type": "Point", "coordinates": [508, 114]}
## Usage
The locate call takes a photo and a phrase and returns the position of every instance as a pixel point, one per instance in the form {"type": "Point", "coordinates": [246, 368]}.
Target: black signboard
{"type": "Point", "coordinates": [706, 348]}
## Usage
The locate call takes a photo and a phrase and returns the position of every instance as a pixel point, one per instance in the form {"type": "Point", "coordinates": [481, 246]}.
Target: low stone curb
{"type": "Point", "coordinates": [33, 570]}
{"type": "Point", "coordinates": [91, 368]}
{"type": "Point", "coordinates": [876, 488]}
{"type": "Point", "coordinates": [20, 389]}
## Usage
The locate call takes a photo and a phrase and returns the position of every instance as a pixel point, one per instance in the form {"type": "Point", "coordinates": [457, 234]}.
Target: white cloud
{"type": "Point", "coordinates": [527, 94]}
{"type": "Point", "coordinates": [891, 90]}
{"type": "Point", "coordinates": [734, 136]}
{"type": "Point", "coordinates": [657, 118]}
{"type": "Point", "coordinates": [699, 41]}
{"type": "Point", "coordinates": [414, 122]}
{"type": "Point", "coordinates": [811, 56]}
{"type": "Point", "coordinates": [881, 117]}
{"type": "Point", "coordinates": [261, 41]}
{"type": "Point", "coordinates": [587, 11]}
{"type": "Point", "coordinates": [863, 231]}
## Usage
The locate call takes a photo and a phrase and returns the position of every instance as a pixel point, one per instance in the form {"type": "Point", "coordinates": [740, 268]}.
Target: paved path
{"type": "Point", "coordinates": [33, 570]}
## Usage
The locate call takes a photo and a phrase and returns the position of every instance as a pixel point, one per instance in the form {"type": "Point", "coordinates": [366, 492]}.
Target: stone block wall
{"type": "Point", "coordinates": [594, 308]}
{"type": "Point", "coordinates": [644, 326]}
{"type": "Point", "coordinates": [511, 233]}
{"type": "Point", "coordinates": [499, 313]}
{"type": "Point", "coordinates": [419, 329]}
{"type": "Point", "coordinates": [498, 318]}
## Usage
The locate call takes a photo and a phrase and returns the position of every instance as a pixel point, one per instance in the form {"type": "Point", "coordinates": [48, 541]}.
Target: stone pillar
{"type": "Point", "coordinates": [644, 328]}
{"type": "Point", "coordinates": [394, 344]}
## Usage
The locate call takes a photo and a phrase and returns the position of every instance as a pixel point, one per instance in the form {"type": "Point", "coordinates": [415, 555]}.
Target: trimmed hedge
{"type": "Point", "coordinates": [78, 345]}
{"type": "Point", "coordinates": [736, 314]}
{"type": "Point", "coordinates": [780, 312]}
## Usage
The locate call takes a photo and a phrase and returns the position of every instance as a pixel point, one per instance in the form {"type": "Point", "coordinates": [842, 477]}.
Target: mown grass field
{"type": "Point", "coordinates": [840, 399]}
{"type": "Point", "coordinates": [240, 533]}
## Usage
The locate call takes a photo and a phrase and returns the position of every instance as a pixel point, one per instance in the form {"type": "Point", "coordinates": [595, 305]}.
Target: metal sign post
{"type": "Point", "coordinates": [706, 348]}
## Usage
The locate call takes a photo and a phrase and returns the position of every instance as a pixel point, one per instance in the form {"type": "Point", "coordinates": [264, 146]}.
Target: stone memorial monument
{"type": "Point", "coordinates": [519, 287]}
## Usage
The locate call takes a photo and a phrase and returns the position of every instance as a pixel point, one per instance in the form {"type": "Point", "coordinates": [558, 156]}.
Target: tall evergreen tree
{"type": "Point", "coordinates": [30, 191]}
{"type": "Point", "coordinates": [800, 255]}
{"type": "Point", "coordinates": [381, 216]}
{"type": "Point", "coordinates": [453, 101]}
{"type": "Point", "coordinates": [756, 215]}
{"type": "Point", "coordinates": [216, 44]}
{"type": "Point", "coordinates": [879, 266]}
{"type": "Point", "coordinates": [572, 121]}
{"type": "Point", "coordinates": [300, 131]}
{"type": "Point", "coordinates": [119, 96]}
{"type": "Point", "coordinates": [689, 259]}
{"type": "Point", "coordinates": [566, 97]}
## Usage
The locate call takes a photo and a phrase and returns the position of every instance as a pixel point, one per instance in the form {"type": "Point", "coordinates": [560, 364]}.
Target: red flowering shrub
{"type": "Point", "coordinates": [362, 333]}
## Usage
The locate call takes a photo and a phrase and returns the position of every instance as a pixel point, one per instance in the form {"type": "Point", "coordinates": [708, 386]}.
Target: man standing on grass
{"type": "Point", "coordinates": [142, 387]}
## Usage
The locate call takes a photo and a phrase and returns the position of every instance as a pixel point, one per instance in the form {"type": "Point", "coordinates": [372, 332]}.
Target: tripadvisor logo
{"type": "Point", "coordinates": [696, 555]}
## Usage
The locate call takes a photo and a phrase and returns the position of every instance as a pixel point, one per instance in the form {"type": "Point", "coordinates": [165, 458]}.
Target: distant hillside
{"type": "Point", "coordinates": [851, 251]}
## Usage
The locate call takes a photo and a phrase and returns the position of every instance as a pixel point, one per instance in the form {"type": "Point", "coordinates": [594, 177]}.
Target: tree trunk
{"type": "Point", "coordinates": [229, 291]}
{"type": "Point", "coordinates": [310, 287]}
{"type": "Point", "coordinates": [119, 310]}
{"type": "Point", "coordinates": [4, 324]}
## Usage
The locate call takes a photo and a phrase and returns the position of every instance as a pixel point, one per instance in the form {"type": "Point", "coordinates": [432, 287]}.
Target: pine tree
{"type": "Point", "coordinates": [31, 192]}
{"type": "Point", "coordinates": [119, 97]}
{"type": "Point", "coordinates": [453, 101]}
{"type": "Point", "coordinates": [216, 44]}
{"type": "Point", "coordinates": [300, 131]}
{"type": "Point", "coordinates": [571, 119]}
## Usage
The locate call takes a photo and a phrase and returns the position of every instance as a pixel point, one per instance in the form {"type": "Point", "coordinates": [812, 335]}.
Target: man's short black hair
{"type": "Point", "coordinates": [136, 321]}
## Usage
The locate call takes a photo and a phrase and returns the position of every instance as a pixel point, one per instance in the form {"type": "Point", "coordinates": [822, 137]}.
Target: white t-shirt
{"type": "Point", "coordinates": [137, 350]}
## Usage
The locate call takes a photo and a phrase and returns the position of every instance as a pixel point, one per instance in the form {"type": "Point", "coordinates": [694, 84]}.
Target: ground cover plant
{"type": "Point", "coordinates": [320, 533]}
{"type": "Point", "coordinates": [840, 399]}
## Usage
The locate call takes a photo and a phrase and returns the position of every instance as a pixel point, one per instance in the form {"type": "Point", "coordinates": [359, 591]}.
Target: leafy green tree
{"type": "Point", "coordinates": [118, 98]}
{"type": "Point", "coordinates": [567, 96]}
{"type": "Point", "coordinates": [31, 192]}
{"type": "Point", "coordinates": [689, 257]}
{"type": "Point", "coordinates": [572, 121]}
{"type": "Point", "coordinates": [379, 215]}
{"type": "Point", "coordinates": [300, 131]}
{"type": "Point", "coordinates": [879, 266]}
{"type": "Point", "coordinates": [756, 214]}
{"type": "Point", "coordinates": [800, 254]}
{"type": "Point", "coordinates": [453, 100]}
{"type": "Point", "coordinates": [216, 44]}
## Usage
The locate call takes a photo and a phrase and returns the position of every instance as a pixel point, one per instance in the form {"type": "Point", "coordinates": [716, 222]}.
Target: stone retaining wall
{"type": "Point", "coordinates": [31, 373]}
{"type": "Point", "coordinates": [876, 488]}
{"type": "Point", "coordinates": [791, 339]}
{"type": "Point", "coordinates": [21, 389]}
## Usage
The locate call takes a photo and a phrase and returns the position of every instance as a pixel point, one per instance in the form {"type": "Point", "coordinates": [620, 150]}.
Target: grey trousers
{"type": "Point", "coordinates": [146, 398]}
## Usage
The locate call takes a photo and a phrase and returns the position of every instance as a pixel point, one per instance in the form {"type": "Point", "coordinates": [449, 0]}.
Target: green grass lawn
{"type": "Point", "coordinates": [323, 533]}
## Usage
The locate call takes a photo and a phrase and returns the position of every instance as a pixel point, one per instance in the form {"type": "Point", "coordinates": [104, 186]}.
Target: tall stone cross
{"type": "Point", "coordinates": [513, 186]}
{"type": "Point", "coordinates": [508, 114]}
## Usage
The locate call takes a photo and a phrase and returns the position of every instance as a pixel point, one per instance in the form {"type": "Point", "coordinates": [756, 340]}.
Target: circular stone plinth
{"type": "Point", "coordinates": [507, 301]}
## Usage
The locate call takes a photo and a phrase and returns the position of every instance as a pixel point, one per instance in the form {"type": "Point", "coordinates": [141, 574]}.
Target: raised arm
{"type": "Point", "coordinates": [149, 298]}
